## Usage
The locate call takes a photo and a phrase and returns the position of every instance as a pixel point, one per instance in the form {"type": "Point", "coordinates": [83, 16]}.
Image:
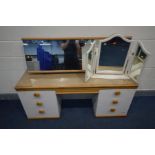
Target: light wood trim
{"type": "Point", "coordinates": [101, 116]}
{"type": "Point", "coordinates": [56, 71]}
{"type": "Point", "coordinates": [58, 117]}
{"type": "Point", "coordinates": [117, 93]}
{"type": "Point", "coordinates": [71, 38]}
{"type": "Point", "coordinates": [42, 117]}
{"type": "Point", "coordinates": [62, 91]}
{"type": "Point", "coordinates": [78, 91]}
{"type": "Point", "coordinates": [70, 83]}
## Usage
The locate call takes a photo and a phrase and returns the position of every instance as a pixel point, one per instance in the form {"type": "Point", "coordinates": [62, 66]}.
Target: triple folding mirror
{"type": "Point", "coordinates": [115, 57]}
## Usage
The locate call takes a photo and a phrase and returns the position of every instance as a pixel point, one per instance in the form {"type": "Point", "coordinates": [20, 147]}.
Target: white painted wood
{"type": "Point", "coordinates": [140, 70]}
{"type": "Point", "coordinates": [12, 63]}
{"type": "Point", "coordinates": [49, 99]}
{"type": "Point", "coordinates": [90, 67]}
{"type": "Point", "coordinates": [11, 49]}
{"type": "Point", "coordinates": [84, 53]}
{"type": "Point", "coordinates": [110, 76]}
{"type": "Point", "coordinates": [103, 103]}
{"type": "Point", "coordinates": [131, 55]}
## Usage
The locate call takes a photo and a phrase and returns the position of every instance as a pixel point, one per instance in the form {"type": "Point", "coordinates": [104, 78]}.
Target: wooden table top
{"type": "Point", "coordinates": [70, 83]}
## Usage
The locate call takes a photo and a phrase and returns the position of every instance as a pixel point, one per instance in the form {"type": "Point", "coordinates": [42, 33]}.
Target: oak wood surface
{"type": "Point", "coordinates": [72, 38]}
{"type": "Point", "coordinates": [56, 71]}
{"type": "Point", "coordinates": [69, 83]}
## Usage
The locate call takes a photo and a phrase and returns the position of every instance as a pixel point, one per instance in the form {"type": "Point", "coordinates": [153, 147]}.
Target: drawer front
{"type": "Point", "coordinates": [40, 104]}
{"type": "Point", "coordinates": [113, 102]}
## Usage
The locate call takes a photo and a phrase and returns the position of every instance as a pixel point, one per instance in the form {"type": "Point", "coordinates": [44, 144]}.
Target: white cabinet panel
{"type": "Point", "coordinates": [50, 107]}
{"type": "Point", "coordinates": [104, 105]}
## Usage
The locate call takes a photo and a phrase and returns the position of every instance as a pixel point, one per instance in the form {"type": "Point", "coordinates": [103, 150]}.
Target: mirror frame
{"type": "Point", "coordinates": [89, 68]}
{"type": "Point", "coordinates": [66, 38]}
{"type": "Point", "coordinates": [128, 40]}
{"type": "Point", "coordinates": [136, 46]}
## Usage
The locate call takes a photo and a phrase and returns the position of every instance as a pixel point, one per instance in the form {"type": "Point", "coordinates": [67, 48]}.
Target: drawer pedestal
{"type": "Point", "coordinates": [112, 102]}
{"type": "Point", "coordinates": [40, 104]}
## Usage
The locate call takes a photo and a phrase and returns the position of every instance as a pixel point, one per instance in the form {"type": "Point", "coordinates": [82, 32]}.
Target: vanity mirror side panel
{"type": "Point", "coordinates": [130, 57]}
{"type": "Point", "coordinates": [138, 62]}
{"type": "Point", "coordinates": [90, 61]}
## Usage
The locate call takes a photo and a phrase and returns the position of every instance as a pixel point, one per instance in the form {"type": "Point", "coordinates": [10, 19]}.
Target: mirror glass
{"type": "Point", "coordinates": [42, 55]}
{"type": "Point", "coordinates": [138, 63]}
{"type": "Point", "coordinates": [90, 56]}
{"type": "Point", "coordinates": [113, 54]}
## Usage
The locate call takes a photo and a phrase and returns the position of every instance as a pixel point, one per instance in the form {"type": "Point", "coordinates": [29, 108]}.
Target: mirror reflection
{"type": "Point", "coordinates": [90, 56]}
{"type": "Point", "coordinates": [113, 54]}
{"type": "Point", "coordinates": [55, 54]}
{"type": "Point", "coordinates": [138, 63]}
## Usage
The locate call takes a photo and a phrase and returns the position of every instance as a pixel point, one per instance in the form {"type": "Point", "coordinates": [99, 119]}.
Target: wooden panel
{"type": "Point", "coordinates": [72, 38]}
{"type": "Point", "coordinates": [11, 49]}
{"type": "Point", "coordinates": [77, 96]}
{"type": "Point", "coordinates": [69, 83]}
{"type": "Point", "coordinates": [56, 71]}
{"type": "Point", "coordinates": [107, 116]}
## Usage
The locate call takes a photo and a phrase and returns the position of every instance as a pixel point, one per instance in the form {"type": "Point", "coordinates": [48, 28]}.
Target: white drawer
{"type": "Point", "coordinates": [40, 104]}
{"type": "Point", "coordinates": [105, 103]}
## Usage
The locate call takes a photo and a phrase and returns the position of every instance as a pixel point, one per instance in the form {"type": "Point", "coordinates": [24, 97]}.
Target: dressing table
{"type": "Point", "coordinates": [113, 85]}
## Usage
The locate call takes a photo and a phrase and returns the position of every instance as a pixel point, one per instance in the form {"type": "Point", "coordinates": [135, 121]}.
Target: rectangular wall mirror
{"type": "Point", "coordinates": [51, 55]}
